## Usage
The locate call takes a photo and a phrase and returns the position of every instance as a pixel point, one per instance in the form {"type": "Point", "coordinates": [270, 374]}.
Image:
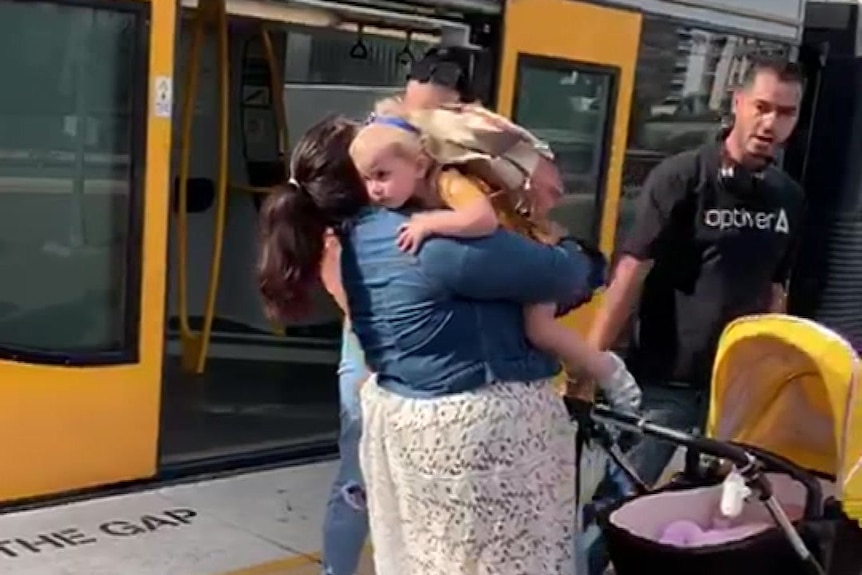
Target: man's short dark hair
{"type": "Point", "coordinates": [784, 70]}
{"type": "Point", "coordinates": [446, 66]}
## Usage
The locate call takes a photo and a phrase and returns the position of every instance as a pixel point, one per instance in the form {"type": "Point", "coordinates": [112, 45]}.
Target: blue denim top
{"type": "Point", "coordinates": [450, 320]}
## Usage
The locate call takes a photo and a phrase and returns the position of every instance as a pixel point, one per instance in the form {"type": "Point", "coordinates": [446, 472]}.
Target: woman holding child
{"type": "Point", "coordinates": [466, 446]}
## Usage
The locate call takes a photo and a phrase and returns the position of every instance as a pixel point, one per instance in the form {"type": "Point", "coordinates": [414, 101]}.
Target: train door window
{"type": "Point", "coordinates": [72, 111]}
{"type": "Point", "coordinates": [569, 105]}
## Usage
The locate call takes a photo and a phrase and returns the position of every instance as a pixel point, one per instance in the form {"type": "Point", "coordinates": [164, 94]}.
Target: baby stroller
{"type": "Point", "coordinates": [786, 420]}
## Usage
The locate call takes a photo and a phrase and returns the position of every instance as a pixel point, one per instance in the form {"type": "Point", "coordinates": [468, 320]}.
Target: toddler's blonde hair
{"type": "Point", "coordinates": [378, 139]}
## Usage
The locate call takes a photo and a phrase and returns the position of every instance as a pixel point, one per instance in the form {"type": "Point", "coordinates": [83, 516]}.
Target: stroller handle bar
{"type": "Point", "coordinates": [741, 458]}
{"type": "Point", "coordinates": [750, 461]}
{"type": "Point", "coordinates": [749, 466]}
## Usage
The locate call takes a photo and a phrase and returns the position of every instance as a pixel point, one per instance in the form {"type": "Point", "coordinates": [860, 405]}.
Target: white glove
{"type": "Point", "coordinates": [620, 388]}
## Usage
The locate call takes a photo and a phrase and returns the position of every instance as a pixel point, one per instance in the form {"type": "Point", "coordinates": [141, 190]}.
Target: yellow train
{"type": "Point", "coordinates": [136, 139]}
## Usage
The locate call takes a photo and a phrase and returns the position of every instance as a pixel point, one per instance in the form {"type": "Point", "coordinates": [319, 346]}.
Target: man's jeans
{"type": "Point", "coordinates": [345, 525]}
{"type": "Point", "coordinates": [669, 405]}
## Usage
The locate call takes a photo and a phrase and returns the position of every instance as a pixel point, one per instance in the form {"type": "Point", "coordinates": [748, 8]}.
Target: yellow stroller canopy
{"type": "Point", "coordinates": [788, 385]}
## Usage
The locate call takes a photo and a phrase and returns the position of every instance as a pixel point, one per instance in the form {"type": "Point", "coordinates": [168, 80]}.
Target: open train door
{"type": "Point", "coordinates": [567, 73]}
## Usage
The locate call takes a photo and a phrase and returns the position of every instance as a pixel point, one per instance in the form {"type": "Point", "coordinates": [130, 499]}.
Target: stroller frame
{"type": "Point", "coordinates": [593, 418]}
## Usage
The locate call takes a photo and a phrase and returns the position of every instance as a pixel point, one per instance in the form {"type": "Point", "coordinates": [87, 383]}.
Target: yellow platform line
{"type": "Point", "coordinates": [297, 564]}
{"type": "Point", "coordinates": [279, 566]}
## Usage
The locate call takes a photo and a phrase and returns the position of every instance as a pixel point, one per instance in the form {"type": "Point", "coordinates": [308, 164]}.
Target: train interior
{"type": "Point", "coordinates": [262, 388]}
{"type": "Point", "coordinates": [268, 389]}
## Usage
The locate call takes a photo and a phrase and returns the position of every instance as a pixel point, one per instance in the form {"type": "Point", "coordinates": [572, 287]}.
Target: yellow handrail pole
{"type": "Point", "coordinates": [187, 119]}
{"type": "Point", "coordinates": [219, 20]}
{"type": "Point", "coordinates": [276, 86]}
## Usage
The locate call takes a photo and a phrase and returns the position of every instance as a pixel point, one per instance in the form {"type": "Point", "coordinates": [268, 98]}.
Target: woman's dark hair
{"type": "Point", "coordinates": [324, 190]}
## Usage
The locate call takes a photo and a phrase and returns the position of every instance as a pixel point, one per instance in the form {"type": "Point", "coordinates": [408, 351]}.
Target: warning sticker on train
{"type": "Point", "coordinates": [163, 96]}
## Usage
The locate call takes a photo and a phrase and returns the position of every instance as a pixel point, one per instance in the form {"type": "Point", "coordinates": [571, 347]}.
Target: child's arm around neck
{"type": "Point", "coordinates": [470, 215]}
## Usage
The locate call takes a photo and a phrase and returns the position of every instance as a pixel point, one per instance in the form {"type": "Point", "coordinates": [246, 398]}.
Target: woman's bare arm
{"type": "Point", "coordinates": [330, 271]}
{"type": "Point", "coordinates": [352, 364]}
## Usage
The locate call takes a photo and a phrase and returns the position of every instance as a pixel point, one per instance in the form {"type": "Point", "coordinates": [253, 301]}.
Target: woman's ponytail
{"type": "Point", "coordinates": [324, 191]}
{"type": "Point", "coordinates": [291, 247]}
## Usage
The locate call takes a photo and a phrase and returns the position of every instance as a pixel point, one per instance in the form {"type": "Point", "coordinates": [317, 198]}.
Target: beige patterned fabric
{"type": "Point", "coordinates": [478, 483]}
{"type": "Point", "coordinates": [491, 147]}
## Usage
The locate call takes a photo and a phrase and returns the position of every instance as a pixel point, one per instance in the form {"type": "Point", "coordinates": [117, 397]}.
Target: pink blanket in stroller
{"type": "Point", "coordinates": [687, 533]}
{"type": "Point", "coordinates": [691, 518]}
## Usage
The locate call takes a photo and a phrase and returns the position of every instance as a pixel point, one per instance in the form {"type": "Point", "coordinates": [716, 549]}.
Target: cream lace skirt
{"type": "Point", "coordinates": [479, 483]}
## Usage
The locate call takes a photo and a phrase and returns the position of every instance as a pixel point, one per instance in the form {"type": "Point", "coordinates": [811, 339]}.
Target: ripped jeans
{"type": "Point", "coordinates": [345, 525]}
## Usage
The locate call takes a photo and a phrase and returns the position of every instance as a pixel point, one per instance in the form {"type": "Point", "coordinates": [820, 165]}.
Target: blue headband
{"type": "Point", "coordinates": [395, 122]}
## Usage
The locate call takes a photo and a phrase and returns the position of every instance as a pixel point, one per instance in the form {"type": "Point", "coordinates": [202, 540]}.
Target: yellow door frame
{"type": "Point", "coordinates": [65, 427]}
{"type": "Point", "coordinates": [581, 33]}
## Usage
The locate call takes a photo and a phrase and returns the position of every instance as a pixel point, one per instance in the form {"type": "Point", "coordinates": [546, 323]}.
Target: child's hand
{"type": "Point", "coordinates": [412, 234]}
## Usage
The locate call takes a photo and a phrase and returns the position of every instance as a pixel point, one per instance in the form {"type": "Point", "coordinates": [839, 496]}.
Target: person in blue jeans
{"type": "Point", "coordinates": [439, 78]}
{"type": "Point", "coordinates": [345, 525]}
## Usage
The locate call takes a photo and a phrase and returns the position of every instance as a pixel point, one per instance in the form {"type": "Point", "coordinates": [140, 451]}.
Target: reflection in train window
{"type": "Point", "coordinates": [68, 145]}
{"type": "Point", "coordinates": [568, 105]}
{"type": "Point", "coordinates": [683, 86]}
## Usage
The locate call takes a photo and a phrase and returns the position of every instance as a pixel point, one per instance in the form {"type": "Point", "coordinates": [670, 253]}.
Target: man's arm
{"type": "Point", "coordinates": [662, 194]}
{"type": "Point", "coordinates": [664, 190]}
{"type": "Point", "coordinates": [619, 301]}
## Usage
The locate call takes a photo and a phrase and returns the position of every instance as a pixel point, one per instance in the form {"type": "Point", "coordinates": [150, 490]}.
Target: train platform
{"type": "Point", "coordinates": [258, 523]}
{"type": "Point", "coordinates": [262, 523]}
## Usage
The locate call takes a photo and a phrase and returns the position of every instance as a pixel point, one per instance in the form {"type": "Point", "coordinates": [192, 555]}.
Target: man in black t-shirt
{"type": "Point", "coordinates": [713, 240]}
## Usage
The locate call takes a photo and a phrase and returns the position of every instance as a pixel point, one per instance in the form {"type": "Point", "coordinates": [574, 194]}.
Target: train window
{"type": "Point", "coordinates": [569, 105]}
{"type": "Point", "coordinates": [683, 87]}
{"type": "Point", "coordinates": [72, 113]}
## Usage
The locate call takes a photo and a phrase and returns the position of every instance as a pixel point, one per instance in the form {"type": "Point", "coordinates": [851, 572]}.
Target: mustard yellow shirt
{"type": "Point", "coordinates": [457, 190]}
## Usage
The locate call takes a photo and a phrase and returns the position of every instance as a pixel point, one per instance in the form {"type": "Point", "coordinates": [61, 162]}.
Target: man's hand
{"type": "Point", "coordinates": [413, 233]}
